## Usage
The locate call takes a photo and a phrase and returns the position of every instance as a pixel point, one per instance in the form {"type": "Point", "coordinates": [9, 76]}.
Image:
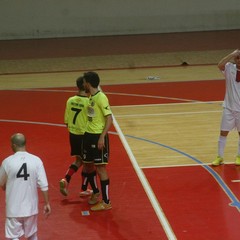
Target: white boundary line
{"type": "Point", "coordinates": [166, 114]}
{"type": "Point", "coordinates": [235, 181]}
{"type": "Point", "coordinates": [159, 212]}
{"type": "Point", "coordinates": [184, 165]}
{"type": "Point", "coordinates": [155, 204]}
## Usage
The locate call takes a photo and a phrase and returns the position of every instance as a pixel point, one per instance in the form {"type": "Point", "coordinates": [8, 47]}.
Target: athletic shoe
{"type": "Point", "coordinates": [101, 206]}
{"type": "Point", "coordinates": [217, 161]}
{"type": "Point", "coordinates": [86, 193]}
{"type": "Point", "coordinates": [94, 198]}
{"type": "Point", "coordinates": [237, 161]}
{"type": "Point", "coordinates": [63, 187]}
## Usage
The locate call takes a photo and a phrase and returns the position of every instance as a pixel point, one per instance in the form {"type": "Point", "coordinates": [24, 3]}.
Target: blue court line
{"type": "Point", "coordinates": [234, 201]}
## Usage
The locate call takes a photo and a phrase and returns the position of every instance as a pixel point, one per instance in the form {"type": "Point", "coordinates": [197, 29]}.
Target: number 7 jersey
{"type": "Point", "coordinates": [76, 114]}
{"type": "Point", "coordinates": [23, 173]}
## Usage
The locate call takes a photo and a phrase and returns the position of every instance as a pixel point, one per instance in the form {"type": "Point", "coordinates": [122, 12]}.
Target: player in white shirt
{"type": "Point", "coordinates": [21, 174]}
{"type": "Point", "coordinates": [230, 67]}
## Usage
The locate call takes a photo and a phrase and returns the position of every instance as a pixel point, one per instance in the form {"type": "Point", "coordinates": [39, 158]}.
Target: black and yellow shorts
{"type": "Point", "coordinates": [76, 144]}
{"type": "Point", "coordinates": [91, 153]}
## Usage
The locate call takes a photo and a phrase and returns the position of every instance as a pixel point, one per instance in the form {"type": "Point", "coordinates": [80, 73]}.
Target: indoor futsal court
{"type": "Point", "coordinates": [162, 142]}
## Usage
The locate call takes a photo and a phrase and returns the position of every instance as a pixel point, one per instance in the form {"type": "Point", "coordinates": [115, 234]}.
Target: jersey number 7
{"type": "Point", "coordinates": [77, 111]}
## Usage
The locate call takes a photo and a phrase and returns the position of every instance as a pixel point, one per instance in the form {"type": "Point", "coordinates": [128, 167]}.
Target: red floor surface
{"type": "Point", "coordinates": [212, 90]}
{"type": "Point", "coordinates": [195, 205]}
{"type": "Point", "coordinates": [131, 207]}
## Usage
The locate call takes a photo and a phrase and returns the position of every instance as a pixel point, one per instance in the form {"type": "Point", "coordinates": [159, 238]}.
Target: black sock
{"type": "Point", "coordinates": [105, 190]}
{"type": "Point", "coordinates": [93, 182]}
{"type": "Point", "coordinates": [84, 181]}
{"type": "Point", "coordinates": [71, 170]}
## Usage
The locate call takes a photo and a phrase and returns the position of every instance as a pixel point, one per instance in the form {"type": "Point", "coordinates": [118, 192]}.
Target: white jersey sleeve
{"type": "Point", "coordinates": [232, 95]}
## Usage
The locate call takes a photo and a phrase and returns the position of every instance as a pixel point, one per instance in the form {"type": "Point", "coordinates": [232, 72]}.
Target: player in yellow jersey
{"type": "Point", "coordinates": [75, 118]}
{"type": "Point", "coordinates": [96, 141]}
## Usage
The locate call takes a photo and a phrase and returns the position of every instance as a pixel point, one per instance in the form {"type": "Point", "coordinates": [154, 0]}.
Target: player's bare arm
{"type": "Point", "coordinates": [108, 124]}
{"type": "Point", "coordinates": [222, 63]}
{"type": "Point", "coordinates": [47, 207]}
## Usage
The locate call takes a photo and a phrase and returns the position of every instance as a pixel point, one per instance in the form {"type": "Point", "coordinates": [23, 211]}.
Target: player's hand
{"type": "Point", "coordinates": [4, 187]}
{"type": "Point", "coordinates": [101, 144]}
{"type": "Point", "coordinates": [236, 53]}
{"type": "Point", "coordinates": [47, 210]}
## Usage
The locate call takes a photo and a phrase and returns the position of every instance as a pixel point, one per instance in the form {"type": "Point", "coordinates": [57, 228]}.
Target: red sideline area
{"type": "Point", "coordinates": [193, 202]}
{"type": "Point", "coordinates": [183, 193]}
{"type": "Point", "coordinates": [132, 216]}
{"type": "Point", "coordinates": [160, 93]}
{"type": "Point", "coordinates": [212, 90]}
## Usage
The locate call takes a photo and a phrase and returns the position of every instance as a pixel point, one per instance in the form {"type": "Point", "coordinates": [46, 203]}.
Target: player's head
{"type": "Point", "coordinates": [92, 78]}
{"type": "Point", "coordinates": [18, 142]}
{"type": "Point", "coordinates": [79, 83]}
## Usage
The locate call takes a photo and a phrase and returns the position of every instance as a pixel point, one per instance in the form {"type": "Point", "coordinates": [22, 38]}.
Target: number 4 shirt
{"type": "Point", "coordinates": [23, 173]}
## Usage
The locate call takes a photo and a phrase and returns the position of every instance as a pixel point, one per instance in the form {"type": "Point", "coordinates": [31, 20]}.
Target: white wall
{"type": "Point", "coordinates": [21, 19]}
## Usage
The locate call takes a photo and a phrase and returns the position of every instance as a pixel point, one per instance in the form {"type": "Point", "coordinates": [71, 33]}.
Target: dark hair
{"type": "Point", "coordinates": [79, 83]}
{"type": "Point", "coordinates": [92, 78]}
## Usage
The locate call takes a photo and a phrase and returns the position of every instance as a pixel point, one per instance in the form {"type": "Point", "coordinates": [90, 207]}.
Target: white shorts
{"type": "Point", "coordinates": [230, 120]}
{"type": "Point", "coordinates": [17, 227]}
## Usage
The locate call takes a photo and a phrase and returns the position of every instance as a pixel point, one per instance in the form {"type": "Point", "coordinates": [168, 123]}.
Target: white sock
{"type": "Point", "coordinates": [221, 145]}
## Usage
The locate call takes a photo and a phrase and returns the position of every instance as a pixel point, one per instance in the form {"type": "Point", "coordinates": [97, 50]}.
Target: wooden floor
{"type": "Point", "coordinates": [177, 122]}
{"type": "Point", "coordinates": [118, 59]}
{"type": "Point", "coordinates": [130, 60]}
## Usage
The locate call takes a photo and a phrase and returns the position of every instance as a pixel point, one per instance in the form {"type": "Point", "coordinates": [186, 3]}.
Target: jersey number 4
{"type": "Point", "coordinates": [22, 173]}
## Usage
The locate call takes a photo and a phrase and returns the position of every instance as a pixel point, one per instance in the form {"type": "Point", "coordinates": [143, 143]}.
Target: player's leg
{"type": "Point", "coordinates": [85, 181]}
{"type": "Point", "coordinates": [237, 160]}
{"type": "Point", "coordinates": [33, 237]}
{"type": "Point", "coordinates": [85, 191]}
{"type": "Point", "coordinates": [89, 143]}
{"type": "Point", "coordinates": [105, 204]}
{"type": "Point", "coordinates": [30, 227]}
{"type": "Point", "coordinates": [92, 180]}
{"type": "Point", "coordinates": [71, 170]}
{"type": "Point", "coordinates": [75, 145]}
{"type": "Point", "coordinates": [104, 180]}
{"type": "Point", "coordinates": [13, 228]}
{"type": "Point", "coordinates": [227, 124]}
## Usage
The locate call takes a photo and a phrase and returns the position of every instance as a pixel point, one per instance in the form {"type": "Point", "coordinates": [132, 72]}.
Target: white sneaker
{"type": "Point", "coordinates": [86, 193]}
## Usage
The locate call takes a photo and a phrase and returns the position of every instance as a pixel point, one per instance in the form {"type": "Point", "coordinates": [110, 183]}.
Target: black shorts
{"type": "Point", "coordinates": [76, 144]}
{"type": "Point", "coordinates": [91, 152]}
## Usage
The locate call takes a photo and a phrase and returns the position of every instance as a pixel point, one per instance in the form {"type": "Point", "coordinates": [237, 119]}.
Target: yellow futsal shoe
{"type": "Point", "coordinates": [101, 206]}
{"type": "Point", "coordinates": [94, 198]}
{"type": "Point", "coordinates": [218, 161]}
{"type": "Point", "coordinates": [237, 160]}
{"type": "Point", "coordinates": [63, 187]}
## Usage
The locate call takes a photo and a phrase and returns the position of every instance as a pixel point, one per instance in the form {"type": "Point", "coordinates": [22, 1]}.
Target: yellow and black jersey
{"type": "Point", "coordinates": [98, 109]}
{"type": "Point", "coordinates": [76, 114]}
